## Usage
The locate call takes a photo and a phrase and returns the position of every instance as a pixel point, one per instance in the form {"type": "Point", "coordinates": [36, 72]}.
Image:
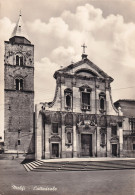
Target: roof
{"type": "Point", "coordinates": [19, 29]}
{"type": "Point", "coordinates": [81, 62]}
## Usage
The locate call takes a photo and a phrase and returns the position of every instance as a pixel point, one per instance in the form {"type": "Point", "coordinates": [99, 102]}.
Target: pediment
{"type": "Point", "coordinates": [86, 72]}
{"type": "Point", "coordinates": [84, 68]}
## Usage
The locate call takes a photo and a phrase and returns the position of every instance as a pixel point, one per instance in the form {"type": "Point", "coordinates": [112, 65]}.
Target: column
{"type": "Point", "coordinates": [63, 141]}
{"type": "Point", "coordinates": [121, 141]}
{"type": "Point", "coordinates": [47, 143]}
{"type": "Point", "coordinates": [38, 133]}
{"type": "Point", "coordinates": [98, 142]}
{"type": "Point", "coordinates": [74, 142]}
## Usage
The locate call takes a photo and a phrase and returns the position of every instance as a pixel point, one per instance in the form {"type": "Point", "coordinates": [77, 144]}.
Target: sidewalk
{"type": "Point", "coordinates": [85, 159]}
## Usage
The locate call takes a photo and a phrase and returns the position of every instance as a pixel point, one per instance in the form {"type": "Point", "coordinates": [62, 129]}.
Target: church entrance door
{"type": "Point", "coordinates": [55, 150]}
{"type": "Point", "coordinates": [86, 144]}
{"type": "Point", "coordinates": [114, 149]}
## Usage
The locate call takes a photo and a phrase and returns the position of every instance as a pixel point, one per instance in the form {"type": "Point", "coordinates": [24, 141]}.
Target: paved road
{"type": "Point", "coordinates": [14, 180]}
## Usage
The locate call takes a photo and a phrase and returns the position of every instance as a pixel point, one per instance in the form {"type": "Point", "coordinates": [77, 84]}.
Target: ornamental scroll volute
{"type": "Point", "coordinates": [86, 123]}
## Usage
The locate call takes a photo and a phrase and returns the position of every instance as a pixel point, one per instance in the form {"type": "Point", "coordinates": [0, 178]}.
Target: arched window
{"type": "Point", "coordinates": [102, 103]}
{"type": "Point", "coordinates": [17, 60]}
{"type": "Point", "coordinates": [68, 98]}
{"type": "Point", "coordinates": [102, 98]}
{"type": "Point", "coordinates": [85, 97]}
{"type": "Point", "coordinates": [21, 61]}
{"type": "Point", "coordinates": [19, 84]}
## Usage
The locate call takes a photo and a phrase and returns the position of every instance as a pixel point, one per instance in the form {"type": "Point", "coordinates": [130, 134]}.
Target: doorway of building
{"type": "Point", "coordinates": [86, 145]}
{"type": "Point", "coordinates": [114, 149]}
{"type": "Point", "coordinates": [55, 150]}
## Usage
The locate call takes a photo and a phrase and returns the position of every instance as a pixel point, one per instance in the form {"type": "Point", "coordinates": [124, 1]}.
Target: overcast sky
{"type": "Point", "coordinates": [58, 28]}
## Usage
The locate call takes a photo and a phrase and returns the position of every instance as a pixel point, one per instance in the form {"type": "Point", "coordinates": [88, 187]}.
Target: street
{"type": "Point", "coordinates": [15, 180]}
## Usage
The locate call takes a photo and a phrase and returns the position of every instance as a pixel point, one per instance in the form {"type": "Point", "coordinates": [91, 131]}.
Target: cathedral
{"type": "Point", "coordinates": [81, 120]}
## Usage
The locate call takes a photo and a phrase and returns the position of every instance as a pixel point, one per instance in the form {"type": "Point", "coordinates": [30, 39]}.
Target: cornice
{"type": "Point", "coordinates": [23, 67]}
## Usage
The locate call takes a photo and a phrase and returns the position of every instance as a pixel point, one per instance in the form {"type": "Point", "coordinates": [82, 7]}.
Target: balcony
{"type": "Point", "coordinates": [85, 107]}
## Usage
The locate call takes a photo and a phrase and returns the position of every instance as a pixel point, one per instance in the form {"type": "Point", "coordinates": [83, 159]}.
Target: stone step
{"type": "Point", "coordinates": [72, 169]}
{"type": "Point", "coordinates": [103, 164]}
{"type": "Point", "coordinates": [39, 162]}
{"type": "Point", "coordinates": [41, 166]}
{"type": "Point", "coordinates": [81, 167]}
{"type": "Point", "coordinates": [32, 165]}
{"type": "Point", "coordinates": [26, 168]}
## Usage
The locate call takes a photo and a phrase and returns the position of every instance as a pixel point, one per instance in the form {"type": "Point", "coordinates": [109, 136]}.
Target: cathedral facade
{"type": "Point", "coordinates": [81, 121]}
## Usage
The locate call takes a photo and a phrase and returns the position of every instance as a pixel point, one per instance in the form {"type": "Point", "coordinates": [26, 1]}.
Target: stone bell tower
{"type": "Point", "coordinates": [19, 92]}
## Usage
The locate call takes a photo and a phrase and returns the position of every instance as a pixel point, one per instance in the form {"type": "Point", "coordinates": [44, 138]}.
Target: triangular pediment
{"type": "Point", "coordinates": [84, 68]}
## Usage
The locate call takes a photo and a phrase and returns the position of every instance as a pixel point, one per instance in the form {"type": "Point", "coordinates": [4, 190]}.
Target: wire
{"type": "Point", "coordinates": [123, 88]}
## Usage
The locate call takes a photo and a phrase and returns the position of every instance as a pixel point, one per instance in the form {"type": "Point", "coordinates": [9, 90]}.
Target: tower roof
{"type": "Point", "coordinates": [19, 29]}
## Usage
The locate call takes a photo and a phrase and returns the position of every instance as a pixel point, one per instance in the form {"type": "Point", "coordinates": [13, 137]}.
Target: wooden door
{"type": "Point", "coordinates": [55, 150]}
{"type": "Point", "coordinates": [114, 149]}
{"type": "Point", "coordinates": [86, 145]}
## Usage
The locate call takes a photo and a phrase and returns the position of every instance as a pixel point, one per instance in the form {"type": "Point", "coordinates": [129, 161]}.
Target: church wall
{"type": "Point", "coordinates": [74, 149]}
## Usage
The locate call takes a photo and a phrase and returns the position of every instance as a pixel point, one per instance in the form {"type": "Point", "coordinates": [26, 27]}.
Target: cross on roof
{"type": "Point", "coordinates": [20, 13]}
{"type": "Point", "coordinates": [84, 46]}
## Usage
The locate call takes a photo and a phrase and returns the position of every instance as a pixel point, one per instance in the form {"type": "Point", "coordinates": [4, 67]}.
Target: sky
{"type": "Point", "coordinates": [58, 28]}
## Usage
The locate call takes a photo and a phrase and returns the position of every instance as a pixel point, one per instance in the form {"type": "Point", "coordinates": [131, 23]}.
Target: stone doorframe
{"type": "Point", "coordinates": [51, 149]}
{"type": "Point", "coordinates": [93, 142]}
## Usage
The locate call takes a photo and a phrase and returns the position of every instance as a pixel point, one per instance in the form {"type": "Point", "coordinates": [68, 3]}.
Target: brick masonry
{"type": "Point", "coordinates": [19, 104]}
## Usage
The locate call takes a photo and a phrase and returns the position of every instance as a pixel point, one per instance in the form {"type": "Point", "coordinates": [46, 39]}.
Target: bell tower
{"type": "Point", "coordinates": [19, 92]}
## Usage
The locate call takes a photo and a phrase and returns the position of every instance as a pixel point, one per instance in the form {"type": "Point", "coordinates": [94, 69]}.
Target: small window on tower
{"type": "Point", "coordinates": [17, 60]}
{"type": "Point", "coordinates": [19, 84]}
{"type": "Point", "coordinates": [21, 61]}
{"type": "Point", "coordinates": [19, 142]}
